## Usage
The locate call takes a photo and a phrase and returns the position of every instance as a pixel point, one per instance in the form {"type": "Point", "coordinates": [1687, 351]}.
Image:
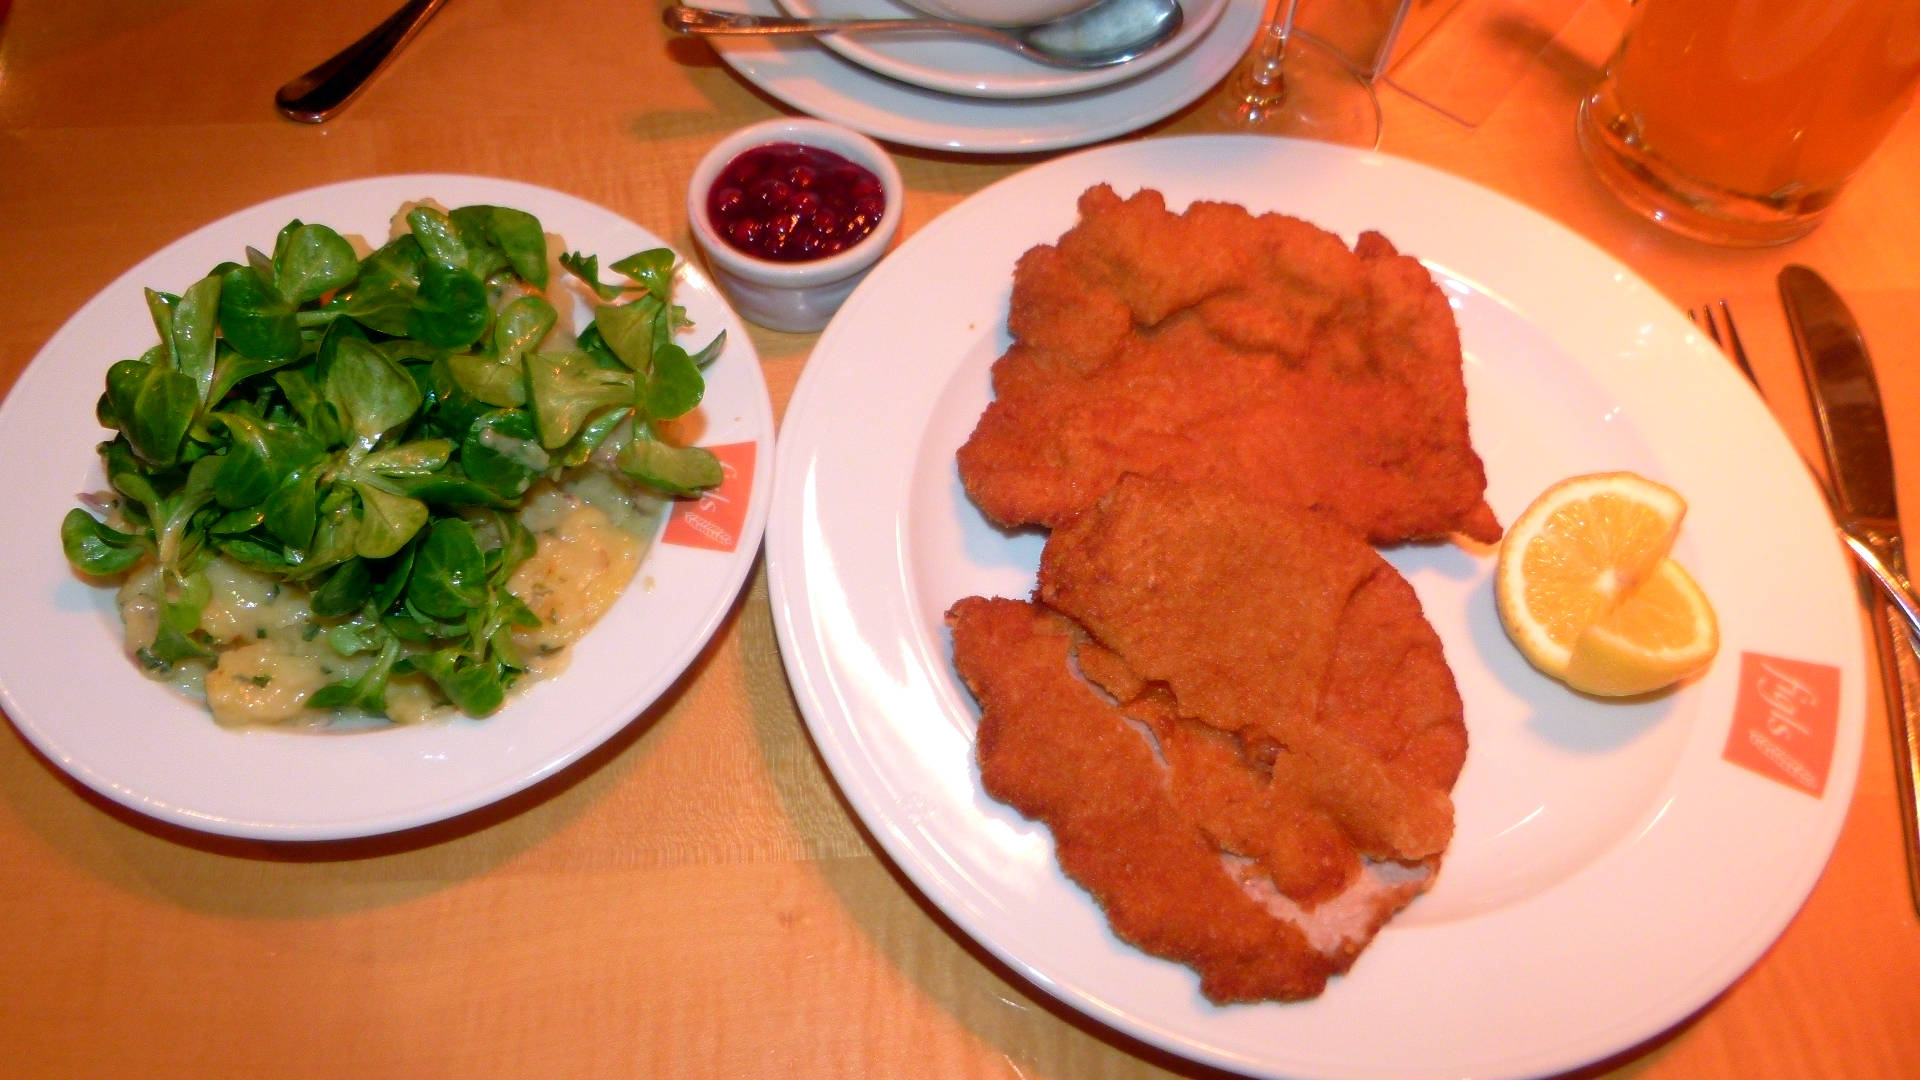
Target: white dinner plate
{"type": "Point", "coordinates": [816, 81]}
{"type": "Point", "coordinates": [1615, 865]}
{"type": "Point", "coordinates": [72, 691]}
{"type": "Point", "coordinates": [956, 64]}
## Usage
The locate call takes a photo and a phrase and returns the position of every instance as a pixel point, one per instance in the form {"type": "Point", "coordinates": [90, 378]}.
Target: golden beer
{"type": "Point", "coordinates": [1739, 121]}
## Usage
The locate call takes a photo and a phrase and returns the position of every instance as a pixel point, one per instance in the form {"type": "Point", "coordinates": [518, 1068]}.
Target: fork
{"type": "Point", "coordinates": [1730, 342]}
{"type": "Point", "coordinates": [1899, 664]}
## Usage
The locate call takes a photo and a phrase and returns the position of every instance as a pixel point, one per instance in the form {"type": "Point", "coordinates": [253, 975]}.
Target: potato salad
{"type": "Point", "coordinates": [388, 484]}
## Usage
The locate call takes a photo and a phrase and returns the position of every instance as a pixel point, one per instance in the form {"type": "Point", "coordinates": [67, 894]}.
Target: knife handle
{"type": "Point", "coordinates": [1900, 674]}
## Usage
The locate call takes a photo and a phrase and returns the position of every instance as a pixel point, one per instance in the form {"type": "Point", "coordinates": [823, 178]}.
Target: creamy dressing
{"type": "Point", "coordinates": [590, 532]}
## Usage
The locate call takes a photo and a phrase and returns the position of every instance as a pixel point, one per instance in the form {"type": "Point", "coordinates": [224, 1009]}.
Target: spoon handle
{"type": "Point", "coordinates": [317, 95]}
{"type": "Point", "coordinates": [693, 20]}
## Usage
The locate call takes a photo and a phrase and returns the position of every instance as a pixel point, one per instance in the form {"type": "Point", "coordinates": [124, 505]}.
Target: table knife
{"type": "Point", "coordinates": [1860, 486]}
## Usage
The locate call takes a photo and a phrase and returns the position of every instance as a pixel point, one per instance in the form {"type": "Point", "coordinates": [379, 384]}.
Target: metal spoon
{"type": "Point", "coordinates": [317, 95]}
{"type": "Point", "coordinates": [1109, 32]}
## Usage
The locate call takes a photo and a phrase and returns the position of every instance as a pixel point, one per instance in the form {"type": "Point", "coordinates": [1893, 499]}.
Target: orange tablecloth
{"type": "Point", "coordinates": [695, 900]}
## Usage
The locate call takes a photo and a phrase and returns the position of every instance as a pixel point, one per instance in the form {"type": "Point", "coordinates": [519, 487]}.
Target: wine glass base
{"type": "Point", "coordinates": [1309, 92]}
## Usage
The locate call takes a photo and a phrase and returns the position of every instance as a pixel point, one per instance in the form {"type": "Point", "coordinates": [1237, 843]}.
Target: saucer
{"type": "Point", "coordinates": [969, 67]}
{"type": "Point", "coordinates": [820, 83]}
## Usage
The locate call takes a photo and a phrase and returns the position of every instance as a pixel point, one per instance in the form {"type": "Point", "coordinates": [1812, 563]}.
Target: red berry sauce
{"type": "Point", "coordinates": [790, 203]}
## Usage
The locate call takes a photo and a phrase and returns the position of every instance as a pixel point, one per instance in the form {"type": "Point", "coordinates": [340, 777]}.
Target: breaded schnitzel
{"type": "Point", "coordinates": [1217, 346]}
{"type": "Point", "coordinates": [1234, 719]}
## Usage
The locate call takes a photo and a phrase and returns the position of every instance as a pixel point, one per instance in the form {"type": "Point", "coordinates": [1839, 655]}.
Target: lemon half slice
{"type": "Point", "coordinates": [1656, 635]}
{"type": "Point", "coordinates": [1587, 593]}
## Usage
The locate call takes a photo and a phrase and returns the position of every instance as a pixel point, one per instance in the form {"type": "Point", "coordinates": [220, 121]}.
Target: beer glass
{"type": "Point", "coordinates": [1740, 121]}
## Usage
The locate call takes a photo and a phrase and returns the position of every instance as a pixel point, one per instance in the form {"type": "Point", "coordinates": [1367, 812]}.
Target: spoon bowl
{"type": "Point", "coordinates": [989, 12]}
{"type": "Point", "coordinates": [1107, 33]}
{"type": "Point", "coordinates": [314, 98]}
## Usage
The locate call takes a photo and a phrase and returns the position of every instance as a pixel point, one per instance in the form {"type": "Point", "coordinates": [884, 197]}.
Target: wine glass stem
{"type": "Point", "coordinates": [1265, 77]}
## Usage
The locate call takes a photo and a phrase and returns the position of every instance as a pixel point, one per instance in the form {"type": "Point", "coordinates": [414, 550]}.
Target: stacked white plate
{"type": "Point", "coordinates": [953, 93]}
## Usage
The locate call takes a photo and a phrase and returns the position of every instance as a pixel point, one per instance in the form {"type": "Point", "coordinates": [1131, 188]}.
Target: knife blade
{"type": "Point", "coordinates": [1838, 372]}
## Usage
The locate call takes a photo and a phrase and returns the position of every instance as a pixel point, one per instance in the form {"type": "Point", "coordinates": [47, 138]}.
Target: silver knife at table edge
{"type": "Point", "coordinates": [1860, 488]}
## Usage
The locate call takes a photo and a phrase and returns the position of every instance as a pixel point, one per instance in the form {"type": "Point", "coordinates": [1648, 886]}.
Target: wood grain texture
{"type": "Point", "coordinates": [695, 899]}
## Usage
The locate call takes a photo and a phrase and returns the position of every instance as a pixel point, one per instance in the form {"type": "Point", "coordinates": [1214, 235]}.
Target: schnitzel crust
{"type": "Point", "coordinates": [1236, 723]}
{"type": "Point", "coordinates": [1222, 347]}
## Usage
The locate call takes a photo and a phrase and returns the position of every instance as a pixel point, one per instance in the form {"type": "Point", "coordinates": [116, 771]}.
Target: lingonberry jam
{"type": "Point", "coordinates": [789, 203]}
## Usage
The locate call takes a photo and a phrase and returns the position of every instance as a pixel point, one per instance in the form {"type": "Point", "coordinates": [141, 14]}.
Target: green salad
{"type": "Point", "coordinates": [361, 431]}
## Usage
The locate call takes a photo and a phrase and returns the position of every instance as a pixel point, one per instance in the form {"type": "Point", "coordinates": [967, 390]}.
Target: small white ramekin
{"type": "Point", "coordinates": [794, 296]}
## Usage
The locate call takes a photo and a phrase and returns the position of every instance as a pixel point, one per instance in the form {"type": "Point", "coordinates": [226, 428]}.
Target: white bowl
{"type": "Point", "coordinates": [793, 296]}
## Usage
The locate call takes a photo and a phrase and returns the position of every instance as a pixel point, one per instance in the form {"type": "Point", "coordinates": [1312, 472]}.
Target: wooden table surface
{"type": "Point", "coordinates": [695, 899]}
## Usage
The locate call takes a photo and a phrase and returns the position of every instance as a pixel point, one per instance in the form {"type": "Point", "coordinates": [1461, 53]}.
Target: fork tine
{"type": "Point", "coordinates": [1734, 346]}
{"type": "Point", "coordinates": [1711, 325]}
{"type": "Point", "coordinates": [1728, 338]}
